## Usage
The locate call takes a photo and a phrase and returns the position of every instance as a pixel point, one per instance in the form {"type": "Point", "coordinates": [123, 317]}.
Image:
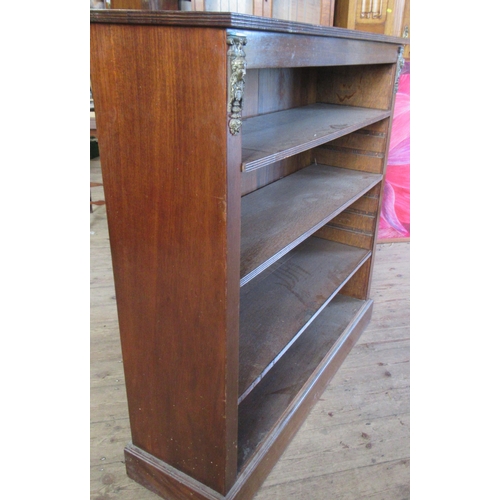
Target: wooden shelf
{"type": "Point", "coordinates": [274, 136]}
{"type": "Point", "coordinates": [279, 394]}
{"type": "Point", "coordinates": [281, 215]}
{"type": "Point", "coordinates": [277, 307]}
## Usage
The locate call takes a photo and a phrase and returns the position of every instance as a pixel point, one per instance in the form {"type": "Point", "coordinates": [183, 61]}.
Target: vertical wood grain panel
{"type": "Point", "coordinates": [160, 99]}
{"type": "Point", "coordinates": [327, 12]}
{"type": "Point", "coordinates": [365, 86]}
{"type": "Point", "coordinates": [255, 179]}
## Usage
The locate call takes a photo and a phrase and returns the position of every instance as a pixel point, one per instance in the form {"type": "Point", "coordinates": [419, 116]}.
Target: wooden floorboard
{"type": "Point", "coordinates": [354, 445]}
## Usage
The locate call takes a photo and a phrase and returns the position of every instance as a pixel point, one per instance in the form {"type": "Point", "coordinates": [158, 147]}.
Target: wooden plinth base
{"type": "Point", "coordinates": [172, 484]}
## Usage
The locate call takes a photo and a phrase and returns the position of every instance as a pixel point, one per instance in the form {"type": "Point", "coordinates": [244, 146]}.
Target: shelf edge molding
{"type": "Point", "coordinates": [288, 337]}
{"type": "Point", "coordinates": [292, 131]}
{"type": "Point", "coordinates": [252, 265]}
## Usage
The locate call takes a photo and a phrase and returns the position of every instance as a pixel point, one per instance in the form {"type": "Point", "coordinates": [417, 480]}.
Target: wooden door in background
{"type": "Point", "coordinates": [376, 16]}
{"type": "Point", "coordinates": [305, 11]}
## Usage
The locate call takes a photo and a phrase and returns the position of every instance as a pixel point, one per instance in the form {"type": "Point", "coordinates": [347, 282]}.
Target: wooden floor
{"type": "Point", "coordinates": [354, 445]}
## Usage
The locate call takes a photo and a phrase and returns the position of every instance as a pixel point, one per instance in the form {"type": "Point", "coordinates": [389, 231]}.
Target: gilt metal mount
{"type": "Point", "coordinates": [238, 69]}
{"type": "Point", "coordinates": [400, 64]}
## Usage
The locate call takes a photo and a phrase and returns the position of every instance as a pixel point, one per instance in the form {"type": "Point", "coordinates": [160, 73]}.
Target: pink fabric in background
{"type": "Point", "coordinates": [395, 216]}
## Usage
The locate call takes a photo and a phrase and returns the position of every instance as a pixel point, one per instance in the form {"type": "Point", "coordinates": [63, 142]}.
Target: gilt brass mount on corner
{"type": "Point", "coordinates": [399, 66]}
{"type": "Point", "coordinates": [236, 81]}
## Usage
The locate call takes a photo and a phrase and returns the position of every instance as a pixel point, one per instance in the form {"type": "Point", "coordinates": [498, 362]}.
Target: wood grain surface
{"type": "Point", "coordinates": [353, 445]}
{"type": "Point", "coordinates": [177, 341]}
{"type": "Point", "coordinates": [173, 182]}
{"type": "Point", "coordinates": [281, 215]}
{"type": "Point", "coordinates": [232, 20]}
{"type": "Point", "coordinates": [272, 137]}
{"type": "Point", "coordinates": [265, 405]}
{"type": "Point", "coordinates": [275, 310]}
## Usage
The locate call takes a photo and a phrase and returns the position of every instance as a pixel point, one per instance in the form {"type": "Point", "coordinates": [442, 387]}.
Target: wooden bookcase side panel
{"type": "Point", "coordinates": [174, 220]}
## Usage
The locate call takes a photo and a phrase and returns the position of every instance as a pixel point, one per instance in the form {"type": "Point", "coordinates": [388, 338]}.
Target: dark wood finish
{"type": "Point", "coordinates": [350, 219]}
{"type": "Point", "coordinates": [285, 50]}
{"type": "Point", "coordinates": [272, 137]}
{"type": "Point", "coordinates": [163, 479]}
{"type": "Point", "coordinates": [237, 21]}
{"type": "Point", "coordinates": [272, 224]}
{"type": "Point", "coordinates": [183, 239]}
{"type": "Point", "coordinates": [274, 443]}
{"type": "Point", "coordinates": [256, 179]}
{"type": "Point", "coordinates": [276, 309]}
{"type": "Point", "coordinates": [276, 89]}
{"type": "Point", "coordinates": [346, 236]}
{"type": "Point", "coordinates": [270, 399]}
{"type": "Point", "coordinates": [364, 86]}
{"type": "Point", "coordinates": [357, 286]}
{"type": "Point", "coordinates": [170, 387]}
{"type": "Point", "coordinates": [287, 401]}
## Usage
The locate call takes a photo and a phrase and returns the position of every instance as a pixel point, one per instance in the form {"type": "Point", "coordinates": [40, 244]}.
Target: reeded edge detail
{"type": "Point", "coordinates": [232, 20]}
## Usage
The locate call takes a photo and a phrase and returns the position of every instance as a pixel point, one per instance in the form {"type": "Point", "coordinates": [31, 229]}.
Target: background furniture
{"type": "Point", "coordinates": [376, 16]}
{"type": "Point", "coordinates": [391, 17]}
{"type": "Point", "coordinates": [308, 11]}
{"type": "Point", "coordinates": [242, 229]}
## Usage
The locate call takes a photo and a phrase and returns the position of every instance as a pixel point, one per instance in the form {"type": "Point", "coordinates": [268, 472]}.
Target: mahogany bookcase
{"type": "Point", "coordinates": [243, 165]}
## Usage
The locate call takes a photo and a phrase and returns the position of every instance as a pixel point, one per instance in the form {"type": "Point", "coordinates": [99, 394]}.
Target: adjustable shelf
{"type": "Point", "coordinates": [243, 160]}
{"type": "Point", "coordinates": [278, 307]}
{"type": "Point", "coordinates": [275, 136]}
{"type": "Point", "coordinates": [279, 216]}
{"type": "Point", "coordinates": [319, 351]}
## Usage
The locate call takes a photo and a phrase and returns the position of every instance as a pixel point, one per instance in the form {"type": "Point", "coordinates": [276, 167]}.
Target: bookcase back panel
{"type": "Point", "coordinates": [363, 150]}
{"type": "Point", "coordinates": [356, 225]}
{"type": "Point", "coordinates": [255, 179]}
{"type": "Point", "coordinates": [276, 89]}
{"type": "Point", "coordinates": [368, 86]}
{"type": "Point", "coordinates": [358, 286]}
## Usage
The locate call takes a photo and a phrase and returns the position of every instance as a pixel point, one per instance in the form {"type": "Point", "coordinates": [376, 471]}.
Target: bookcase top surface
{"type": "Point", "coordinates": [231, 20]}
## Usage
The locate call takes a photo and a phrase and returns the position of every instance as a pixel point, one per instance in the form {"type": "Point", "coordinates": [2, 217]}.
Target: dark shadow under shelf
{"type": "Point", "coordinates": [264, 412]}
{"type": "Point", "coordinates": [277, 306]}
{"type": "Point", "coordinates": [279, 216]}
{"type": "Point", "coordinates": [274, 136]}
